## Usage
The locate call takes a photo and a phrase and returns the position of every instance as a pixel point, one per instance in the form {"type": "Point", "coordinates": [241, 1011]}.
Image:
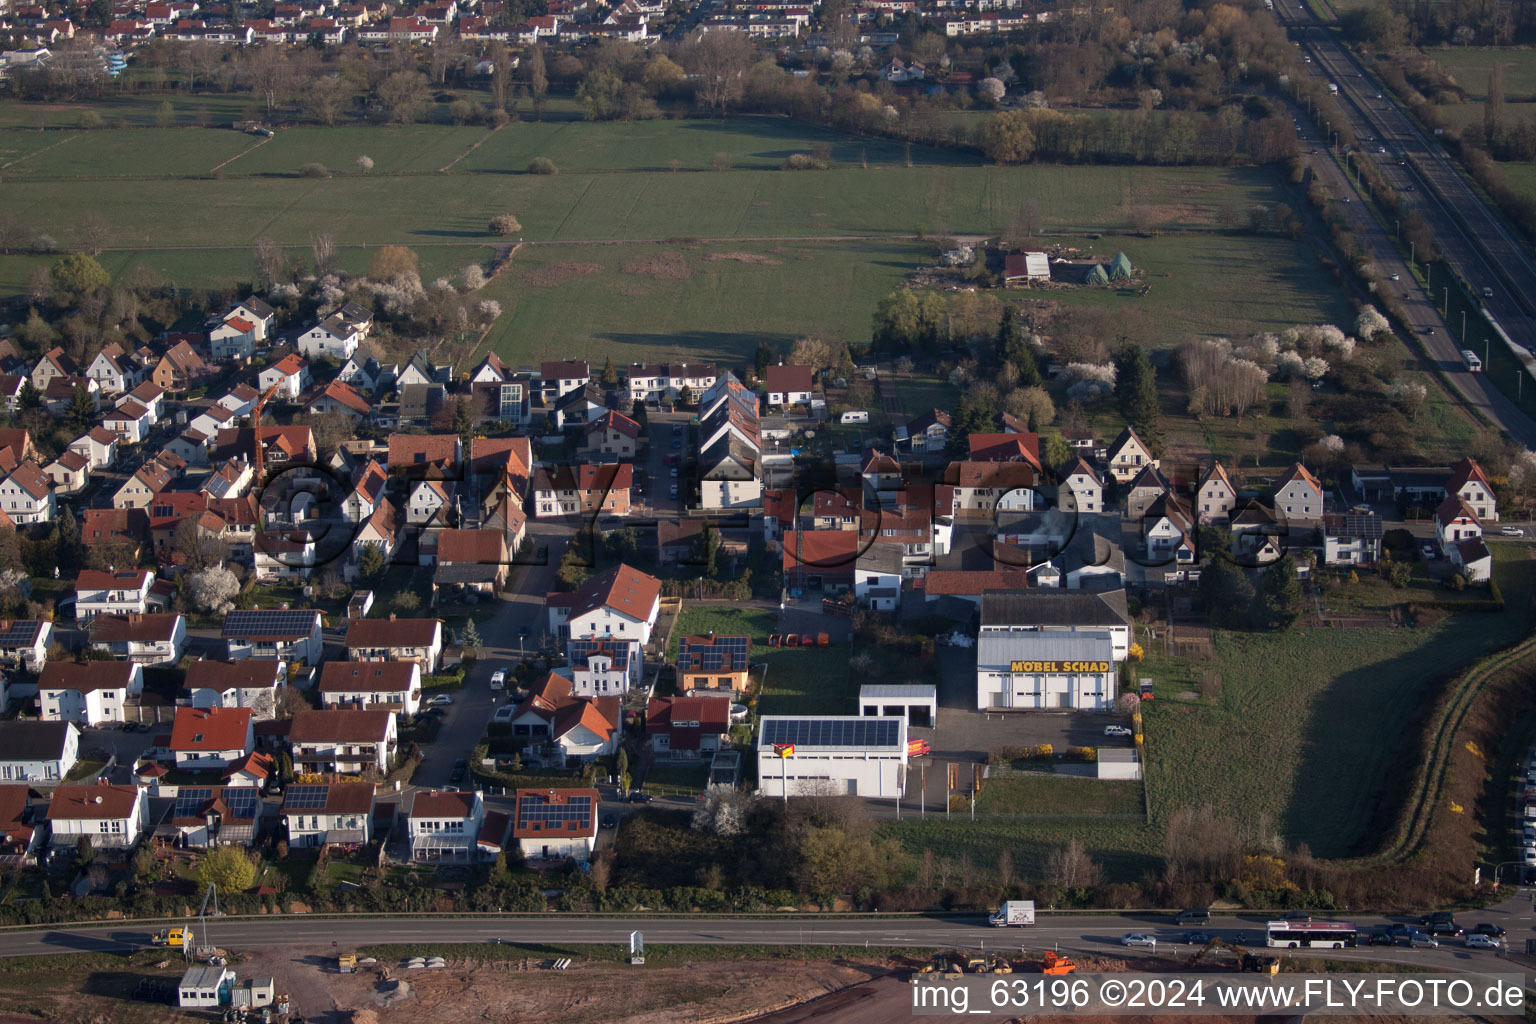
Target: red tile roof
{"type": "Point", "coordinates": [476, 547]}
{"type": "Point", "coordinates": [436, 450]}
{"type": "Point", "coordinates": [210, 728]}
{"type": "Point", "coordinates": [443, 805]}
{"type": "Point", "coordinates": [573, 827]}
{"type": "Point", "coordinates": [337, 725]}
{"type": "Point", "coordinates": [788, 378]}
{"type": "Point", "coordinates": [87, 803]}
{"type": "Point", "coordinates": [392, 632]}
{"type": "Point", "coordinates": [622, 589]}
{"type": "Point", "coordinates": [372, 676]}
{"type": "Point", "coordinates": [134, 628]}
{"type": "Point", "coordinates": [820, 551]}
{"type": "Point", "coordinates": [1006, 448]}
{"type": "Point", "coordinates": [954, 582]}
{"type": "Point", "coordinates": [612, 420]}
{"type": "Point", "coordinates": [122, 579]}
{"type": "Point", "coordinates": [93, 675]}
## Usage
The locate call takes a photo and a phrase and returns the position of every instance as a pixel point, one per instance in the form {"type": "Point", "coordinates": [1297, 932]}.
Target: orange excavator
{"type": "Point", "coordinates": [260, 455]}
{"type": "Point", "coordinates": [1054, 963]}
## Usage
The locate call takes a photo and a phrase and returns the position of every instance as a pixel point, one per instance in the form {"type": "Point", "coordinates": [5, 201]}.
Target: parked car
{"type": "Point", "coordinates": [460, 769]}
{"type": "Point", "coordinates": [1394, 277]}
{"type": "Point", "coordinates": [1138, 939]}
{"type": "Point", "coordinates": [1381, 939]}
{"type": "Point", "coordinates": [499, 679]}
{"type": "Point", "coordinates": [1479, 941]}
{"type": "Point", "coordinates": [1428, 549]}
{"type": "Point", "coordinates": [637, 797]}
{"type": "Point", "coordinates": [609, 821]}
{"type": "Point", "coordinates": [1446, 928]}
{"type": "Point", "coordinates": [1511, 531]}
{"type": "Point", "coordinates": [1423, 940]}
{"type": "Point", "coordinates": [441, 700]}
{"type": "Point", "coordinates": [1117, 730]}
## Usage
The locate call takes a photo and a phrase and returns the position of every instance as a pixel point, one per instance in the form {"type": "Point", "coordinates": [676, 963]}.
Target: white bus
{"type": "Point", "coordinates": [1474, 364]}
{"type": "Point", "coordinates": [1313, 934]}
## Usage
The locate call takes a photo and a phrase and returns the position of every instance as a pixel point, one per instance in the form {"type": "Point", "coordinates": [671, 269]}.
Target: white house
{"type": "Point", "coordinates": [788, 385]}
{"type": "Point", "coordinates": [1473, 558]}
{"type": "Point", "coordinates": [332, 338]}
{"type": "Point", "coordinates": [24, 643]}
{"type": "Point", "coordinates": [620, 604]}
{"type": "Point", "coordinates": [112, 370]}
{"type": "Point", "coordinates": [670, 380]}
{"type": "Point", "coordinates": [130, 421]}
{"type": "Point", "coordinates": [414, 640]}
{"type": "Point", "coordinates": [211, 737]}
{"type": "Point", "coordinates": [558, 379]}
{"type": "Point", "coordinates": [1168, 530]}
{"type": "Point", "coordinates": [600, 668]}
{"type": "Point", "coordinates": [287, 635]}
{"type": "Point", "coordinates": [454, 827]}
{"type": "Point", "coordinates": [123, 592]}
{"type": "Point", "coordinates": [835, 754]}
{"type": "Point", "coordinates": [37, 751]}
{"type": "Point", "coordinates": [1468, 483]}
{"type": "Point", "coordinates": [112, 817]}
{"type": "Point", "coordinates": [69, 473]}
{"type": "Point", "coordinates": [395, 685]}
{"type": "Point", "coordinates": [429, 500]}
{"type": "Point", "coordinates": [1455, 522]}
{"type": "Point", "coordinates": [343, 741]}
{"type": "Point", "coordinates": [339, 813]}
{"type": "Point", "coordinates": [1215, 497]}
{"type": "Point", "coordinates": [553, 824]}
{"type": "Point", "coordinates": [254, 683]}
{"type": "Point", "coordinates": [290, 375]}
{"type": "Point", "coordinates": [1128, 455]}
{"type": "Point", "coordinates": [151, 639]}
{"type": "Point", "coordinates": [93, 693]}
{"type": "Point", "coordinates": [98, 445]}
{"type": "Point", "coordinates": [1298, 495]}
{"type": "Point", "coordinates": [261, 316]}
{"type": "Point", "coordinates": [26, 496]}
{"type": "Point", "coordinates": [1081, 489]}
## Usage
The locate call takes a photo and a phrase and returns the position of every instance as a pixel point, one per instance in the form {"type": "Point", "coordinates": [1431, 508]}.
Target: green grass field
{"type": "Point", "coordinates": [1471, 66]}
{"type": "Point", "coordinates": [394, 149]}
{"type": "Point", "coordinates": [800, 681]}
{"type": "Point", "coordinates": [1046, 793]}
{"type": "Point", "coordinates": [1312, 725]}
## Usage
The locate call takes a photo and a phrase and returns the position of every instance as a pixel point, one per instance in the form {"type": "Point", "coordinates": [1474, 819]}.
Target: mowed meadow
{"type": "Point", "coordinates": [641, 241]}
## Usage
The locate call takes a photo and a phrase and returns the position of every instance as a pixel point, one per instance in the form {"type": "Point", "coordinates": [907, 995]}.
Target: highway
{"type": "Point", "coordinates": [1485, 252]}
{"type": "Point", "coordinates": [1074, 932]}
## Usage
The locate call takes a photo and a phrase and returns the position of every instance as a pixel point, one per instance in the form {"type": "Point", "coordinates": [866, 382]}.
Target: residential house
{"type": "Point", "coordinates": [69, 473]}
{"type": "Point", "coordinates": [254, 771]}
{"type": "Point", "coordinates": [1148, 486]}
{"type": "Point", "coordinates": [1473, 559]}
{"type": "Point", "coordinates": [383, 530]}
{"type": "Point", "coordinates": [953, 586]}
{"type": "Point", "coordinates": [332, 338]}
{"type": "Point", "coordinates": [233, 339]}
{"type": "Point", "coordinates": [20, 828]}
{"type": "Point", "coordinates": [431, 503]}
{"type": "Point", "coordinates": [123, 592]}
{"type": "Point", "coordinates": [1299, 495]}
{"type": "Point", "coordinates": [611, 434]}
{"type": "Point", "coordinates": [339, 397]}
{"type": "Point", "coordinates": [26, 496]}
{"type": "Point", "coordinates": [1168, 530]}
{"type": "Point", "coordinates": [150, 396]}
{"type": "Point", "coordinates": [983, 489]}
{"type": "Point", "coordinates": [1215, 496]}
{"type": "Point", "coordinates": [11, 386]}
{"type": "Point", "coordinates": [1371, 482]}
{"type": "Point", "coordinates": [1257, 535]}
{"type": "Point", "coordinates": [475, 560]}
{"type": "Point", "coordinates": [208, 816]}
{"type": "Point", "coordinates": [1455, 522]}
{"type": "Point", "coordinates": [59, 396]}
{"type": "Point", "coordinates": [392, 639]}
{"type": "Point", "coordinates": [730, 446]}
{"type": "Point", "coordinates": [426, 456]}
{"type": "Point", "coordinates": [877, 576]}
{"type": "Point", "coordinates": [558, 379]}
{"type": "Point", "coordinates": [1351, 539]}
{"type": "Point", "coordinates": [566, 727]}
{"type": "Point", "coordinates": [714, 662]}
{"type": "Point", "coordinates": [687, 727]}
{"type": "Point", "coordinates": [280, 444]}
{"type": "Point", "coordinates": [15, 448]}
{"type": "Point", "coordinates": [343, 741]}
{"type": "Point", "coordinates": [285, 555]}
{"type": "Point", "coordinates": [54, 363]}
{"type": "Point", "coordinates": [788, 385]}
{"type": "Point", "coordinates": [24, 643]}
{"type": "Point", "coordinates": [262, 317]}
{"type": "Point", "coordinates": [290, 375]}
{"type": "Point", "coordinates": [1009, 446]}
{"type": "Point", "coordinates": [368, 482]}
{"type": "Point", "coordinates": [37, 751]}
{"type": "Point", "coordinates": [140, 489]}
{"type": "Point", "coordinates": [253, 683]}
{"type": "Point", "coordinates": [211, 738]}
{"type": "Point", "coordinates": [577, 407]}
{"type": "Point", "coordinates": [386, 685]}
{"type": "Point", "coordinates": [1469, 484]}
{"type": "Point", "coordinates": [1081, 489]}
{"type": "Point", "coordinates": [98, 445]}
{"type": "Point", "coordinates": [583, 490]}
{"type": "Point", "coordinates": [367, 374]}
{"type": "Point", "coordinates": [158, 639]}
{"type": "Point", "coordinates": [929, 432]}
{"type": "Point", "coordinates": [599, 668]}
{"type": "Point", "coordinates": [492, 369]}
{"type": "Point", "coordinates": [418, 371]}
{"type": "Point", "coordinates": [335, 813]}
{"type": "Point", "coordinates": [553, 824]}
{"type": "Point", "coordinates": [285, 634]}
{"type": "Point", "coordinates": [1127, 455]}
{"type": "Point", "coordinates": [621, 603]}
{"type": "Point", "coordinates": [180, 368]}
{"type": "Point", "coordinates": [647, 382]}
{"type": "Point", "coordinates": [819, 559]}
{"type": "Point", "coordinates": [91, 694]}
{"type": "Point", "coordinates": [454, 827]}
{"type": "Point", "coordinates": [112, 369]}
{"type": "Point", "coordinates": [501, 401]}
{"type": "Point", "coordinates": [111, 817]}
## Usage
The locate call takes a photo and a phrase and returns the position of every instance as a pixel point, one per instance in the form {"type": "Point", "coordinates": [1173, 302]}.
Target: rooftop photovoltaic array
{"type": "Point", "coordinates": [726, 653]}
{"type": "Point", "coordinates": [619, 651]}
{"type": "Point", "coordinates": [241, 800]}
{"type": "Point", "coordinates": [290, 622]}
{"type": "Point", "coordinates": [17, 633]}
{"type": "Point", "coordinates": [189, 802]}
{"type": "Point", "coordinates": [306, 798]}
{"type": "Point", "coordinates": [532, 808]}
{"type": "Point", "coordinates": [832, 732]}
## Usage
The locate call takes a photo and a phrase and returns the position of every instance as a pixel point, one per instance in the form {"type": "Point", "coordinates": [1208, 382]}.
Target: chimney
{"type": "Point", "coordinates": [391, 616]}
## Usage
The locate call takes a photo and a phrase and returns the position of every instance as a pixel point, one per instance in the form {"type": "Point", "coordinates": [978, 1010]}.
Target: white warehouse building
{"type": "Point", "coordinates": [1029, 671]}
{"type": "Point", "coordinates": [834, 754]}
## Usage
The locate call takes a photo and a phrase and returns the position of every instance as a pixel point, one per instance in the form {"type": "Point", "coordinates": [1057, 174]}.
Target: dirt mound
{"type": "Point", "coordinates": [663, 266]}
{"type": "Point", "coordinates": [743, 257]}
{"type": "Point", "coordinates": [560, 272]}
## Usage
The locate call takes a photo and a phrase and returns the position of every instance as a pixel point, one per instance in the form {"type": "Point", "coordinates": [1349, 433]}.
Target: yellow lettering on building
{"type": "Point", "coordinates": [1058, 666]}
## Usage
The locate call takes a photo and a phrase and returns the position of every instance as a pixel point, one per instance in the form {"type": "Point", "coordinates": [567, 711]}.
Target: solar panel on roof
{"type": "Point", "coordinates": [278, 622]}
{"type": "Point", "coordinates": [20, 633]}
{"type": "Point", "coordinates": [726, 653]}
{"type": "Point", "coordinates": [306, 798]}
{"type": "Point", "coordinates": [832, 732]}
{"type": "Point", "coordinates": [189, 802]}
{"type": "Point", "coordinates": [242, 801]}
{"type": "Point", "coordinates": [532, 809]}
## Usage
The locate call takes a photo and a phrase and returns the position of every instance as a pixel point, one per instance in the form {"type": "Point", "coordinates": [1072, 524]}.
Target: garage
{"type": "Point", "coordinates": [919, 705]}
{"type": "Point", "coordinates": [1035, 671]}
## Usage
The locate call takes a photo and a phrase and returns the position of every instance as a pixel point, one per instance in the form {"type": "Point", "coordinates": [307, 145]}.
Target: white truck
{"type": "Point", "coordinates": [1333, 88]}
{"type": "Point", "coordinates": [1017, 913]}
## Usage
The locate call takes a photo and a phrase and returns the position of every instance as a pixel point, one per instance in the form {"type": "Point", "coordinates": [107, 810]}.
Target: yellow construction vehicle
{"type": "Point", "coordinates": [1252, 963]}
{"type": "Point", "coordinates": [998, 965]}
{"type": "Point", "coordinates": [976, 963]}
{"type": "Point", "coordinates": [1056, 964]}
{"type": "Point", "coordinates": [346, 963]}
{"type": "Point", "coordinates": [170, 937]}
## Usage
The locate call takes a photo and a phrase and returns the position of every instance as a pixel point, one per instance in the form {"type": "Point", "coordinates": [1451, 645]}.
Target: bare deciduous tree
{"type": "Point", "coordinates": [323, 247]}
{"type": "Point", "coordinates": [720, 60]}
{"type": "Point", "coordinates": [1070, 867]}
{"type": "Point", "coordinates": [271, 261]}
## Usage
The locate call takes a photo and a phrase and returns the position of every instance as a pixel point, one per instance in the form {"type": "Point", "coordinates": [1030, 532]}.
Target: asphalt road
{"type": "Point", "coordinates": [1085, 933]}
{"type": "Point", "coordinates": [1472, 236]}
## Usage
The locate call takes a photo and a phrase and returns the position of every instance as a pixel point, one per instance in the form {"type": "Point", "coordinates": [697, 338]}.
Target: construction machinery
{"type": "Point", "coordinates": [259, 453]}
{"type": "Point", "coordinates": [997, 965]}
{"type": "Point", "coordinates": [976, 963]}
{"type": "Point", "coordinates": [1247, 961]}
{"type": "Point", "coordinates": [1055, 963]}
{"type": "Point", "coordinates": [346, 963]}
{"type": "Point", "coordinates": [176, 937]}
